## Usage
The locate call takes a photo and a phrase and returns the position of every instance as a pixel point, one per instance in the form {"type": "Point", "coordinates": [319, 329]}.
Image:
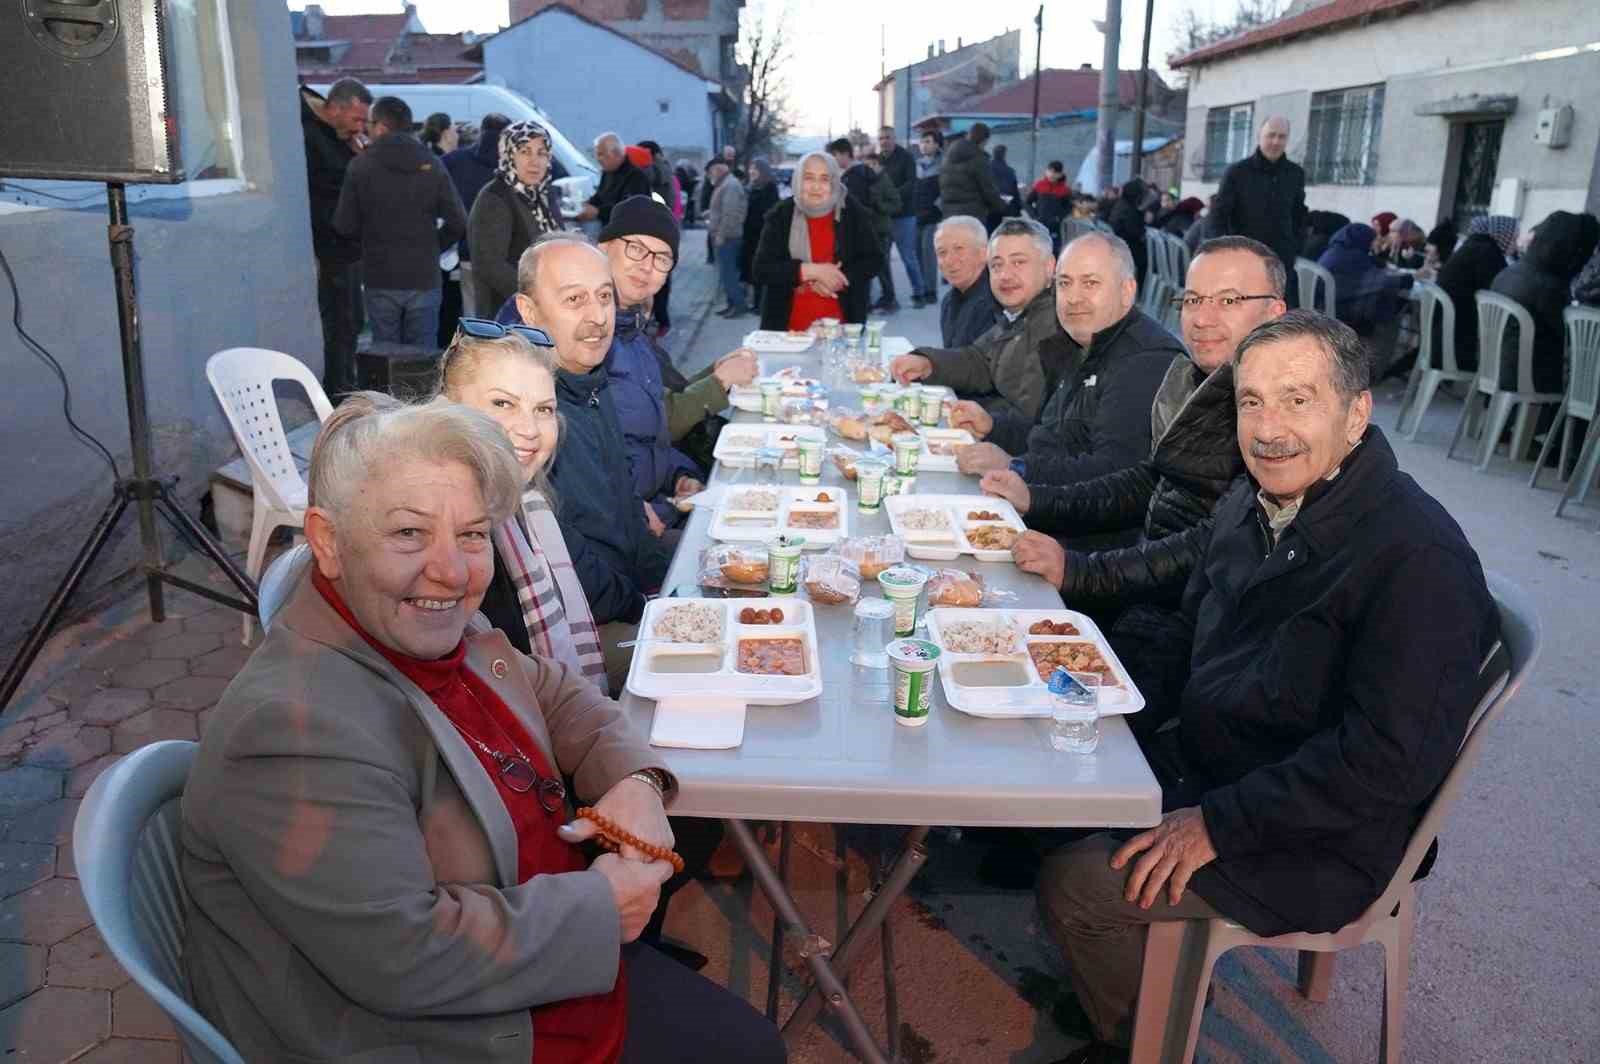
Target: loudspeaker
{"type": "Point", "coordinates": [85, 85]}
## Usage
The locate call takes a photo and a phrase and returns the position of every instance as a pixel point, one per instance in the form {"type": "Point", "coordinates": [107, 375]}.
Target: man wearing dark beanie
{"type": "Point", "coordinates": [656, 405]}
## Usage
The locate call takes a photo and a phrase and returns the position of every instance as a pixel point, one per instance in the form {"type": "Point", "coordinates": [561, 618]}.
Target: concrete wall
{"type": "Point", "coordinates": [589, 80]}
{"type": "Point", "coordinates": [1455, 49]}
{"type": "Point", "coordinates": [213, 272]}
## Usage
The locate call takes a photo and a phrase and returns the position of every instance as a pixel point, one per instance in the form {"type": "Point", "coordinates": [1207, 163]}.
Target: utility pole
{"type": "Point", "coordinates": [1106, 127]}
{"type": "Point", "coordinates": [1038, 80]}
{"type": "Point", "coordinates": [1144, 81]}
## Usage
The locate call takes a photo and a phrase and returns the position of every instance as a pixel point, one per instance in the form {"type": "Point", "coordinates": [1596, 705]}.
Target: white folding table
{"type": "Point", "coordinates": [841, 758]}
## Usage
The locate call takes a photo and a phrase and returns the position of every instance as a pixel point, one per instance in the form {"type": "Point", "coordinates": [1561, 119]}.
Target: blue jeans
{"type": "Point", "coordinates": [405, 316]}
{"type": "Point", "coordinates": [903, 231]}
{"type": "Point", "coordinates": [728, 272]}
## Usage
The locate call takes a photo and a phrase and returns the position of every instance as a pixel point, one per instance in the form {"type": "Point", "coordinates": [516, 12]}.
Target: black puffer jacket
{"type": "Point", "coordinates": [1542, 282]}
{"type": "Point", "coordinates": [1173, 492]}
{"type": "Point", "coordinates": [1266, 201]}
{"type": "Point", "coordinates": [1097, 419]}
{"type": "Point", "coordinates": [1472, 269]}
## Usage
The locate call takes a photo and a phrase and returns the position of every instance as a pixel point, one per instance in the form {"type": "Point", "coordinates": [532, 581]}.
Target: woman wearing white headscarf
{"type": "Point", "coordinates": [818, 252]}
{"type": "Point", "coordinates": [515, 208]}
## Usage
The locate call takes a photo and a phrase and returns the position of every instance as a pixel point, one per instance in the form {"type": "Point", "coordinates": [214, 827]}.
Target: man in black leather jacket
{"type": "Point", "coordinates": [1169, 496]}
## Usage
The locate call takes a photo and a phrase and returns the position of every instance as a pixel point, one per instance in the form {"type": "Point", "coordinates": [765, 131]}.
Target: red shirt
{"type": "Point", "coordinates": [582, 1030]}
{"type": "Point", "coordinates": [808, 306]}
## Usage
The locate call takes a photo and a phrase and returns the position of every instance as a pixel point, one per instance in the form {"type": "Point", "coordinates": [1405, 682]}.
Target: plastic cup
{"type": "Point", "coordinates": [895, 484]}
{"type": "Point", "coordinates": [902, 585]}
{"type": "Point", "coordinates": [874, 630]}
{"type": "Point", "coordinates": [913, 661]}
{"type": "Point", "coordinates": [908, 404]}
{"type": "Point", "coordinates": [870, 474]}
{"type": "Point", "coordinates": [771, 393]}
{"type": "Point", "coordinates": [874, 332]}
{"type": "Point", "coordinates": [810, 459]}
{"type": "Point", "coordinates": [932, 405]}
{"type": "Point", "coordinates": [783, 563]}
{"type": "Point", "coordinates": [871, 402]}
{"type": "Point", "coordinates": [852, 336]}
{"type": "Point", "coordinates": [907, 450]}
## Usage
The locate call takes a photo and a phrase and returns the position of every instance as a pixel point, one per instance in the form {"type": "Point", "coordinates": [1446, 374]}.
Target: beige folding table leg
{"type": "Point", "coordinates": [826, 964]}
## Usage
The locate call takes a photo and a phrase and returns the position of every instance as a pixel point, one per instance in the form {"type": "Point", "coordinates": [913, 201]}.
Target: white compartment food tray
{"type": "Point", "coordinates": [1033, 698]}
{"type": "Point", "coordinates": [732, 450]}
{"type": "Point", "coordinates": [949, 544]}
{"type": "Point", "coordinates": [734, 525]}
{"type": "Point", "coordinates": [647, 681]}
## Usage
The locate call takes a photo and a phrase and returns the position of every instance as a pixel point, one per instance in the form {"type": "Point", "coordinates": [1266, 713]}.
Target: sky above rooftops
{"type": "Point", "coordinates": [841, 46]}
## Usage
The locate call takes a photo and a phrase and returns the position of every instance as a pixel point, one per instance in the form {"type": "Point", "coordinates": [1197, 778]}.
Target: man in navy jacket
{"type": "Point", "coordinates": [1341, 622]}
{"type": "Point", "coordinates": [569, 294]}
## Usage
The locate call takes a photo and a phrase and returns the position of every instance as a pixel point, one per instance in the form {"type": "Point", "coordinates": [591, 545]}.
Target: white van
{"type": "Point", "coordinates": [469, 103]}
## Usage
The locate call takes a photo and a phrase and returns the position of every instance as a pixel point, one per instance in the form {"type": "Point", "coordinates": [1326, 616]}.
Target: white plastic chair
{"type": "Point", "coordinates": [1430, 371]}
{"type": "Point", "coordinates": [1495, 313]}
{"type": "Point", "coordinates": [241, 378]}
{"type": "Point", "coordinates": [1308, 275]}
{"type": "Point", "coordinates": [125, 845]}
{"type": "Point", "coordinates": [1179, 954]}
{"type": "Point", "coordinates": [1581, 403]}
{"type": "Point", "coordinates": [280, 579]}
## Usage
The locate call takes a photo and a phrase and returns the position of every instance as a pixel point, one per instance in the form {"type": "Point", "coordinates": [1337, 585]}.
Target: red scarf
{"type": "Point", "coordinates": [582, 1030]}
{"type": "Point", "coordinates": [808, 306]}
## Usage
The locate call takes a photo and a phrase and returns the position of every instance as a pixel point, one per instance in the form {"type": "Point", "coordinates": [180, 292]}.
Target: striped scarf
{"type": "Point", "coordinates": [554, 609]}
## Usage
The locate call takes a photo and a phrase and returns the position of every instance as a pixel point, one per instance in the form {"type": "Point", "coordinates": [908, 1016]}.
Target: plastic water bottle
{"type": "Point", "coordinates": [1074, 711]}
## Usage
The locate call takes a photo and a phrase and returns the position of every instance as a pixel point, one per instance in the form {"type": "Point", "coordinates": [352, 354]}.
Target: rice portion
{"type": "Point", "coordinates": [690, 622]}
{"type": "Point", "coordinates": [924, 520]}
{"type": "Point", "coordinates": [979, 637]}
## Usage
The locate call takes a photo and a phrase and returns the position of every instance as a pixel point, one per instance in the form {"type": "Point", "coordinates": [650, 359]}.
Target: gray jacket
{"type": "Point", "coordinates": [728, 207]}
{"type": "Point", "coordinates": [352, 871]}
{"type": "Point", "coordinates": [1001, 368]}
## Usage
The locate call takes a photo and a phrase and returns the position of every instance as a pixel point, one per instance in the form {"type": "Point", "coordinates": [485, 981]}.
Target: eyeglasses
{"type": "Point", "coordinates": [1227, 300]}
{"type": "Point", "coordinates": [661, 260]}
{"type": "Point", "coordinates": [484, 329]}
{"type": "Point", "coordinates": [522, 777]}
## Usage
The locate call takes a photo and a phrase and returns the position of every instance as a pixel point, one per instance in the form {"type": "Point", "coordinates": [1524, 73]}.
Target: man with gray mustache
{"type": "Point", "coordinates": [1342, 635]}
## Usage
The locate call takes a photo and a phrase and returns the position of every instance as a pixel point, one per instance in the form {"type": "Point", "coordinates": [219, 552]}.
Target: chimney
{"type": "Point", "coordinates": [941, 46]}
{"type": "Point", "coordinates": [1085, 66]}
{"type": "Point", "coordinates": [930, 49]}
{"type": "Point", "coordinates": [314, 25]}
{"type": "Point", "coordinates": [958, 44]}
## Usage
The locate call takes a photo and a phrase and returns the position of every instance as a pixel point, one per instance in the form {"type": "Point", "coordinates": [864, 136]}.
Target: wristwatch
{"type": "Point", "coordinates": [661, 781]}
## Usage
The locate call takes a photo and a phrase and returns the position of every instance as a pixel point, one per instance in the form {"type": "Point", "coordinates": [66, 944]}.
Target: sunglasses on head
{"type": "Point", "coordinates": [484, 329]}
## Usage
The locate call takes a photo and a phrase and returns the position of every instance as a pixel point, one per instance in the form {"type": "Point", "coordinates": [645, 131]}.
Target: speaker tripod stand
{"type": "Point", "coordinates": [143, 490]}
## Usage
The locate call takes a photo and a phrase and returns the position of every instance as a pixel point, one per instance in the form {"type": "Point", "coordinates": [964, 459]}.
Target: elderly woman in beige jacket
{"type": "Point", "coordinates": [376, 839]}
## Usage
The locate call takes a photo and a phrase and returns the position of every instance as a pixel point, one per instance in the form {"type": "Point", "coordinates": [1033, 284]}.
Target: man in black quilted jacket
{"type": "Point", "coordinates": [1234, 284]}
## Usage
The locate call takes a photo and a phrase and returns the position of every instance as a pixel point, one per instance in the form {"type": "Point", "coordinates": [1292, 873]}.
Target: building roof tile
{"type": "Point", "coordinates": [1333, 15]}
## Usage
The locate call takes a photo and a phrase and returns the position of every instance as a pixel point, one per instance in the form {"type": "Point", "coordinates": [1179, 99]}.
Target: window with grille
{"type": "Point", "coordinates": [1227, 137]}
{"type": "Point", "coordinates": [1342, 144]}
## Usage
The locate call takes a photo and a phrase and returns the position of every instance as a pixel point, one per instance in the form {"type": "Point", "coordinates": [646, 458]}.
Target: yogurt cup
{"type": "Point", "coordinates": [895, 484]}
{"type": "Point", "coordinates": [913, 662]}
{"type": "Point", "coordinates": [932, 404]}
{"type": "Point", "coordinates": [783, 563]}
{"type": "Point", "coordinates": [810, 459]}
{"type": "Point", "coordinates": [870, 475]}
{"type": "Point", "coordinates": [902, 585]}
{"type": "Point", "coordinates": [771, 393]}
{"type": "Point", "coordinates": [907, 450]}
